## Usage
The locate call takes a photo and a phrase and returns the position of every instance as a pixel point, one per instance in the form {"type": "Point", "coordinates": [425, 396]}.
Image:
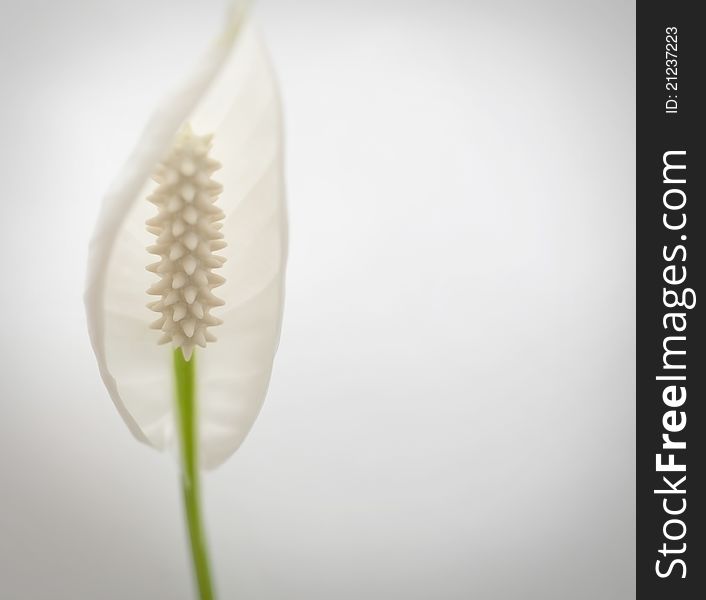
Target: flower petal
{"type": "Point", "coordinates": [232, 95]}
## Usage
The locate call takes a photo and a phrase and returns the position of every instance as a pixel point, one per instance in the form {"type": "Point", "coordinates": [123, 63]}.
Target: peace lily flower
{"type": "Point", "coordinates": [186, 269]}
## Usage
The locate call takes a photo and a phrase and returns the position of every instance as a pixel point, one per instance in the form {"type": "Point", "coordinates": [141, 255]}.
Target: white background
{"type": "Point", "coordinates": [451, 413]}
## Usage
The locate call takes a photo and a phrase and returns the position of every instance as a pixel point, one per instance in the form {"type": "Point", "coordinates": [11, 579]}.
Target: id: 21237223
{"type": "Point", "coordinates": [670, 64]}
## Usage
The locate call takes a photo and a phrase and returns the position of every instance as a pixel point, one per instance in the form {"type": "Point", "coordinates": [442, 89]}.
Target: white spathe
{"type": "Point", "coordinates": [232, 95]}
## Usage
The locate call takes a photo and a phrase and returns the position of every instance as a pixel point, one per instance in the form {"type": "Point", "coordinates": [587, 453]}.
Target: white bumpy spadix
{"type": "Point", "coordinates": [187, 229]}
{"type": "Point", "coordinates": [231, 95]}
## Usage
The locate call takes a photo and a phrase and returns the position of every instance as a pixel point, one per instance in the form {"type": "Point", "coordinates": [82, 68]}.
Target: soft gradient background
{"type": "Point", "coordinates": [451, 411]}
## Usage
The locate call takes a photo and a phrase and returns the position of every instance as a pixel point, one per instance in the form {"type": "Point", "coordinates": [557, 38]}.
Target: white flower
{"type": "Point", "coordinates": [227, 112]}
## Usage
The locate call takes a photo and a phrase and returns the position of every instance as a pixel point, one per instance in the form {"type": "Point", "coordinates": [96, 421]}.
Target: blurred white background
{"type": "Point", "coordinates": [451, 410]}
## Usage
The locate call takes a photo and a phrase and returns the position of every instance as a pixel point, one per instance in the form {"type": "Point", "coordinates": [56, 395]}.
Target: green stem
{"type": "Point", "coordinates": [184, 372]}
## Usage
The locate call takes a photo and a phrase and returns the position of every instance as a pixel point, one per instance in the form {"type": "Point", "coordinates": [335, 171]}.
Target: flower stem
{"type": "Point", "coordinates": [184, 372]}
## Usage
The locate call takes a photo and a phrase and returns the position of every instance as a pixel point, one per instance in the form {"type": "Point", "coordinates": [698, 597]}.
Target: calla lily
{"type": "Point", "coordinates": [190, 250]}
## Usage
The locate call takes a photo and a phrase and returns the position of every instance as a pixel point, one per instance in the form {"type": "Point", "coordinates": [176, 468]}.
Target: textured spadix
{"type": "Point", "coordinates": [187, 227]}
{"type": "Point", "coordinates": [232, 98]}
